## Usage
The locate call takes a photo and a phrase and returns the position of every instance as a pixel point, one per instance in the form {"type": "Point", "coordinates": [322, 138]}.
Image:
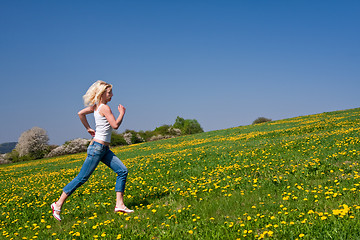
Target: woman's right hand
{"type": "Point", "coordinates": [91, 131]}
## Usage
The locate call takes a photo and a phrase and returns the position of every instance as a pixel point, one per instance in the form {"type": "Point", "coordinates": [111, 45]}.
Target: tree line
{"type": "Point", "coordinates": [34, 143]}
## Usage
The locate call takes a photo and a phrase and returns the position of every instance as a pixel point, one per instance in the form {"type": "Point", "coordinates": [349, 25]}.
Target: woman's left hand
{"type": "Point", "coordinates": [121, 109]}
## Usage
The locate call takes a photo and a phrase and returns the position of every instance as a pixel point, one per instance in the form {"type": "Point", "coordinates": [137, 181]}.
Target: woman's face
{"type": "Point", "coordinates": [107, 95]}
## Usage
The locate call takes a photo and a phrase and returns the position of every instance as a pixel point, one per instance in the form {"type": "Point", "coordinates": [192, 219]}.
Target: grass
{"type": "Point", "coordinates": [290, 179]}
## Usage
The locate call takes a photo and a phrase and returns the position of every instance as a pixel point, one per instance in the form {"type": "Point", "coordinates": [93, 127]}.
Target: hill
{"type": "Point", "coordinates": [7, 147]}
{"type": "Point", "coordinates": [295, 178]}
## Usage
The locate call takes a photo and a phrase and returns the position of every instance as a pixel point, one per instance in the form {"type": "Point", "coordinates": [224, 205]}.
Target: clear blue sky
{"type": "Point", "coordinates": [224, 63]}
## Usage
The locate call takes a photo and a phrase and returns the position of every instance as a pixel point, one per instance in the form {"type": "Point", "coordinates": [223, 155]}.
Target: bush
{"type": "Point", "coordinates": [162, 130]}
{"type": "Point", "coordinates": [33, 143]}
{"type": "Point", "coordinates": [159, 137]}
{"type": "Point", "coordinates": [14, 156]}
{"type": "Point", "coordinates": [3, 159]}
{"type": "Point", "coordinates": [165, 132]}
{"type": "Point", "coordinates": [117, 139]}
{"type": "Point", "coordinates": [188, 126]}
{"type": "Point", "coordinates": [261, 120]}
{"type": "Point", "coordinates": [132, 137]}
{"type": "Point", "coordinates": [146, 135]}
{"type": "Point", "coordinates": [70, 147]}
{"type": "Point", "coordinates": [174, 131]}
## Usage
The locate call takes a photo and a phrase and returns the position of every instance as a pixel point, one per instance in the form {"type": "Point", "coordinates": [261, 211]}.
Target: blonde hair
{"type": "Point", "coordinates": [94, 93]}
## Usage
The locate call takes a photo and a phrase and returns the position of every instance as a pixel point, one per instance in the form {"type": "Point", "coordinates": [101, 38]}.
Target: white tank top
{"type": "Point", "coordinates": [103, 127]}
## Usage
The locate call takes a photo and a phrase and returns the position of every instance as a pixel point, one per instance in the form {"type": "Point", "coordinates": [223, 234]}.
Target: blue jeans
{"type": "Point", "coordinates": [97, 152]}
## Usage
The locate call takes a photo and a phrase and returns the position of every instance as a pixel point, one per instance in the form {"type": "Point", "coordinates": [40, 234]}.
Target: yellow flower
{"type": "Point", "coordinates": [191, 232]}
{"type": "Point", "coordinates": [301, 235]}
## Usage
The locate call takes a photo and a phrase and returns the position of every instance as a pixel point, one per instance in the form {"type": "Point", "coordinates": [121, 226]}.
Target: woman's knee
{"type": "Point", "coordinates": [125, 172]}
{"type": "Point", "coordinates": [122, 172]}
{"type": "Point", "coordinates": [83, 179]}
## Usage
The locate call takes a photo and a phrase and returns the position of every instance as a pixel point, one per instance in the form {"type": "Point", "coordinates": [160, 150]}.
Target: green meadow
{"type": "Point", "coordinates": [295, 178]}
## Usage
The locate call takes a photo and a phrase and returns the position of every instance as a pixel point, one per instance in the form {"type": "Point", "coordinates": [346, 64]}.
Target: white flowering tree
{"type": "Point", "coordinates": [33, 143]}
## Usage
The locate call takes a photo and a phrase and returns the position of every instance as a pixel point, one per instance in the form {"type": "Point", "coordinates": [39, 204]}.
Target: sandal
{"type": "Point", "coordinates": [124, 210]}
{"type": "Point", "coordinates": [56, 212]}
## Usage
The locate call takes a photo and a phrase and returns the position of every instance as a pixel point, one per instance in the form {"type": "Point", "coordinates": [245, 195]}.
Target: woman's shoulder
{"type": "Point", "coordinates": [103, 108]}
{"type": "Point", "coordinates": [87, 110]}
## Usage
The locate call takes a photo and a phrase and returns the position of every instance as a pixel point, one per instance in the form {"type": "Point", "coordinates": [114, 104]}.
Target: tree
{"type": "Point", "coordinates": [179, 123]}
{"type": "Point", "coordinates": [188, 126]}
{"type": "Point", "coordinates": [261, 120]}
{"type": "Point", "coordinates": [33, 143]}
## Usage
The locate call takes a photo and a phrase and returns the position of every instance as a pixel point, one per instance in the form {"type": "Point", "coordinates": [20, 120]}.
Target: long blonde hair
{"type": "Point", "coordinates": [95, 91]}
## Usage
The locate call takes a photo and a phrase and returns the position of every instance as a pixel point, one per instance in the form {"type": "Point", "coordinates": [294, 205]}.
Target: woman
{"type": "Point", "coordinates": [96, 99]}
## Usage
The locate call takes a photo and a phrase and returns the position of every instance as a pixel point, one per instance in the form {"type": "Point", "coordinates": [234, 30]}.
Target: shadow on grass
{"type": "Point", "coordinates": [148, 199]}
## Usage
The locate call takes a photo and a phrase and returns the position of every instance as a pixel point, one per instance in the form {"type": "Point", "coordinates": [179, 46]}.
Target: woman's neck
{"type": "Point", "coordinates": [103, 102]}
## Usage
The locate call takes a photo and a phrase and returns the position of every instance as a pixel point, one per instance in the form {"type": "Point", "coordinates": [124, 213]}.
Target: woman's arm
{"type": "Point", "coordinates": [114, 123]}
{"type": "Point", "coordinates": [82, 115]}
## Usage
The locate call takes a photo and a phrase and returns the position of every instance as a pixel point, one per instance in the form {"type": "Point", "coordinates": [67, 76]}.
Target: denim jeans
{"type": "Point", "coordinates": [97, 152]}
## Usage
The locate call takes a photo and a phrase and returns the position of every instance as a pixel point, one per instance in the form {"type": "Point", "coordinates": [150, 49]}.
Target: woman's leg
{"type": "Point", "coordinates": [112, 161]}
{"type": "Point", "coordinates": [61, 200]}
{"type": "Point", "coordinates": [120, 200]}
{"type": "Point", "coordinates": [95, 153]}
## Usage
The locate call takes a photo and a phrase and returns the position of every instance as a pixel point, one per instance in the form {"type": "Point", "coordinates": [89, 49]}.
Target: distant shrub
{"type": "Point", "coordinates": [117, 139]}
{"type": "Point", "coordinates": [146, 135]}
{"type": "Point", "coordinates": [188, 126]}
{"type": "Point", "coordinates": [33, 143]}
{"type": "Point", "coordinates": [4, 159]}
{"type": "Point", "coordinates": [132, 137]}
{"type": "Point", "coordinates": [162, 130]}
{"type": "Point", "coordinates": [70, 147]}
{"type": "Point", "coordinates": [261, 120]}
{"type": "Point", "coordinates": [174, 131]}
{"type": "Point", "coordinates": [160, 137]}
{"type": "Point", "coordinates": [14, 156]}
